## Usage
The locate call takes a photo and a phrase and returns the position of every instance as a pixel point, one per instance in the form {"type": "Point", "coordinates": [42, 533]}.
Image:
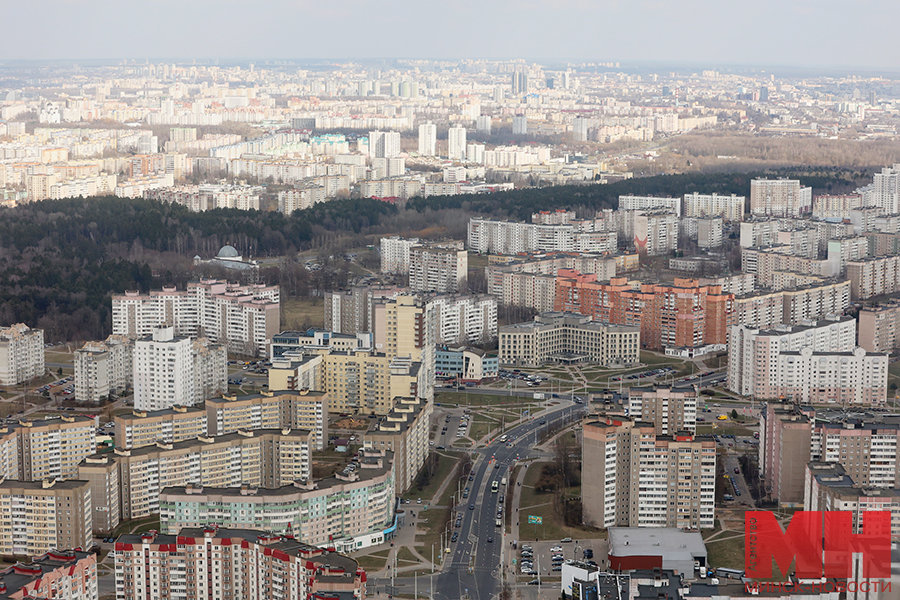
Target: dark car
{"type": "Point", "coordinates": [471, 507]}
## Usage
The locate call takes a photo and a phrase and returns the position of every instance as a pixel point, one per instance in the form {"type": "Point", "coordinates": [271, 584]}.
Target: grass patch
{"type": "Point", "coordinates": [302, 313]}
{"type": "Point", "coordinates": [537, 504]}
{"type": "Point", "coordinates": [480, 428]}
{"type": "Point", "coordinates": [405, 555]}
{"type": "Point", "coordinates": [651, 358]}
{"type": "Point", "coordinates": [371, 562]}
{"type": "Point", "coordinates": [446, 466]}
{"type": "Point", "coordinates": [137, 525]}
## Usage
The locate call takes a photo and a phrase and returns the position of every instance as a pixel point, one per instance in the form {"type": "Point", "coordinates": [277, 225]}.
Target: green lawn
{"type": "Point", "coordinates": [446, 466]}
{"type": "Point", "coordinates": [538, 504]}
{"type": "Point", "coordinates": [405, 557]}
{"type": "Point", "coordinates": [137, 525]}
{"type": "Point", "coordinates": [651, 358]}
{"type": "Point", "coordinates": [301, 313]}
{"type": "Point", "coordinates": [372, 562]}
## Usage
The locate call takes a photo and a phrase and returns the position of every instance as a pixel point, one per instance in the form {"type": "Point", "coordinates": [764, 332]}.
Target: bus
{"type": "Point", "coordinates": [495, 486]}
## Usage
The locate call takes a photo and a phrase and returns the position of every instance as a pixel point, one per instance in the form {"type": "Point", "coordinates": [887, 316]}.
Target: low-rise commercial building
{"type": "Point", "coordinates": [466, 364]}
{"type": "Point", "coordinates": [345, 510]}
{"type": "Point", "coordinates": [40, 516]}
{"type": "Point", "coordinates": [568, 338]}
{"type": "Point", "coordinates": [213, 562]}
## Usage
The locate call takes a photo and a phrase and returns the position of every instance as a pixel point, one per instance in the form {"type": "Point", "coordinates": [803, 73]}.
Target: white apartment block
{"type": "Point", "coordinates": [443, 270]}
{"type": "Point", "coordinates": [21, 354]}
{"type": "Point", "coordinates": [51, 449]}
{"type": "Point", "coordinates": [456, 143]}
{"type": "Point", "coordinates": [136, 186]}
{"type": "Point", "coordinates": [561, 336]}
{"type": "Point", "coordinates": [395, 254]}
{"type": "Point", "coordinates": [886, 190]}
{"type": "Point", "coordinates": [828, 487]}
{"type": "Point", "coordinates": [506, 237]}
{"type": "Point", "coordinates": [170, 425]}
{"type": "Point", "coordinates": [555, 217]}
{"type": "Point", "coordinates": [753, 353]}
{"type": "Point", "coordinates": [384, 144]}
{"type": "Point", "coordinates": [835, 207]}
{"type": "Point", "coordinates": [428, 139]}
{"type": "Point", "coordinates": [200, 198]}
{"type": "Point", "coordinates": [768, 266]}
{"type": "Point", "coordinates": [879, 327]}
{"type": "Point", "coordinates": [300, 198]}
{"type": "Point", "coordinates": [103, 368]}
{"type": "Point", "coordinates": [760, 234]}
{"type": "Point", "coordinates": [405, 431]}
{"type": "Point", "coordinates": [740, 284]}
{"type": "Point", "coordinates": [843, 378]}
{"type": "Point", "coordinates": [267, 458]}
{"type": "Point", "coordinates": [730, 208]}
{"type": "Point", "coordinates": [315, 512]}
{"type": "Point", "coordinates": [779, 198]}
{"type": "Point", "coordinates": [174, 370]}
{"type": "Point", "coordinates": [650, 203]}
{"type": "Point", "coordinates": [243, 318]}
{"type": "Point", "coordinates": [638, 478]}
{"type": "Point", "coordinates": [213, 562]}
{"type": "Point", "coordinates": [465, 319]}
{"type": "Point", "coordinates": [874, 276]}
{"type": "Point", "coordinates": [656, 233]}
{"type": "Point", "coordinates": [84, 187]}
{"type": "Point", "coordinates": [669, 409]}
{"type": "Point", "coordinates": [709, 232]}
{"type": "Point", "coordinates": [40, 516]}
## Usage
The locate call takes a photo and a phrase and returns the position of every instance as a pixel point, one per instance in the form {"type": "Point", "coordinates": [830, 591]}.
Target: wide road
{"type": "Point", "coordinates": [471, 569]}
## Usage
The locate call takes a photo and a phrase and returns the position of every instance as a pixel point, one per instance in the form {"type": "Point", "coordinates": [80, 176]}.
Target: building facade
{"type": "Point", "coordinates": [440, 269]}
{"type": "Point", "coordinates": [21, 354]}
{"type": "Point", "coordinates": [464, 319]}
{"type": "Point", "coordinates": [61, 574]}
{"type": "Point", "coordinates": [405, 431]}
{"type": "Point", "coordinates": [669, 409]}
{"type": "Point", "coordinates": [104, 368]}
{"type": "Point", "coordinates": [779, 198]}
{"type": "Point", "coordinates": [51, 448]}
{"type": "Point", "coordinates": [730, 208]}
{"type": "Point", "coordinates": [44, 516]}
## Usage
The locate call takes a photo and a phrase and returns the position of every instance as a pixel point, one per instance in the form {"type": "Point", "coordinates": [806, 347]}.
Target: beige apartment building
{"type": "Point", "coordinates": [879, 327]}
{"type": "Point", "coordinates": [874, 276]}
{"type": "Point", "coordinates": [264, 458]}
{"type": "Point", "coordinates": [405, 432]}
{"type": "Point", "coordinates": [52, 448]}
{"type": "Point", "coordinates": [438, 268]}
{"type": "Point", "coordinates": [297, 372]}
{"type": "Point", "coordinates": [104, 368]}
{"type": "Point", "coordinates": [568, 337]}
{"type": "Point", "coordinates": [344, 510]}
{"type": "Point", "coordinates": [21, 354]}
{"type": "Point", "coordinates": [102, 473]}
{"type": "Point", "coordinates": [828, 487]}
{"type": "Point", "coordinates": [638, 478]}
{"type": "Point", "coordinates": [366, 382]}
{"type": "Point", "coordinates": [44, 515]}
{"type": "Point", "coordinates": [669, 409]}
{"type": "Point", "coordinates": [301, 409]}
{"type": "Point", "coordinates": [170, 425]}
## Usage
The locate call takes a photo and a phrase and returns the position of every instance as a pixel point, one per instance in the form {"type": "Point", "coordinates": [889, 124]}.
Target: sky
{"type": "Point", "coordinates": [816, 33]}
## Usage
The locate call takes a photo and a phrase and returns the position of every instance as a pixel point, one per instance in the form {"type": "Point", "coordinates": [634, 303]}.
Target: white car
{"type": "Point", "coordinates": [556, 549]}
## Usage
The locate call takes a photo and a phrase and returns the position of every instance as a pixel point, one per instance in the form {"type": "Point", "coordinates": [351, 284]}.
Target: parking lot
{"type": "Point", "coordinates": [542, 555]}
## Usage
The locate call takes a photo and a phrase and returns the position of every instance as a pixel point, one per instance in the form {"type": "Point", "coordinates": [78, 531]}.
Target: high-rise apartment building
{"type": "Point", "coordinates": [753, 353]}
{"type": "Point", "coordinates": [404, 431]}
{"type": "Point", "coordinates": [879, 327]}
{"type": "Point", "coordinates": [655, 233]}
{"type": "Point", "coordinates": [366, 382]}
{"type": "Point", "coordinates": [442, 269]}
{"type": "Point", "coordinates": [779, 198]}
{"type": "Point", "coordinates": [174, 370]}
{"type": "Point", "coordinates": [395, 254]}
{"type": "Point", "coordinates": [103, 368]}
{"type": "Point", "coordinates": [21, 354]}
{"type": "Point", "coordinates": [709, 232]}
{"type": "Point", "coordinates": [886, 190]}
{"type": "Point", "coordinates": [45, 515]}
{"type": "Point", "coordinates": [669, 409]}
{"type": "Point", "coordinates": [464, 319]}
{"type": "Point", "coordinates": [874, 276]}
{"type": "Point", "coordinates": [410, 332]}
{"type": "Point", "coordinates": [520, 125]}
{"type": "Point", "coordinates": [730, 208]}
{"type": "Point", "coordinates": [352, 311]}
{"type": "Point", "coordinates": [682, 314]}
{"type": "Point", "coordinates": [263, 457]}
{"type": "Point", "coordinates": [456, 143]}
{"type": "Point", "coordinates": [835, 207]}
{"type": "Point", "coordinates": [315, 512]}
{"type": "Point", "coordinates": [829, 488]}
{"type": "Point", "coordinates": [384, 144]}
{"type": "Point", "coordinates": [231, 564]}
{"type": "Point", "coordinates": [169, 425]}
{"type": "Point", "coordinates": [428, 139]}
{"type": "Point", "coordinates": [102, 474]}
{"type": "Point", "coordinates": [51, 449]}
{"type": "Point", "coordinates": [243, 318]}
{"type": "Point", "coordinates": [651, 204]}
{"type": "Point", "coordinates": [638, 478]}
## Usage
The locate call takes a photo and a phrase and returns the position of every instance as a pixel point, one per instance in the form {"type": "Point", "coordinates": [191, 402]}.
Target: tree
{"type": "Point", "coordinates": [734, 414]}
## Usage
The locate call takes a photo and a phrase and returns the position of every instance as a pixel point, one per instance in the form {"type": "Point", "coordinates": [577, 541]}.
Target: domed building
{"type": "Point", "coordinates": [229, 258]}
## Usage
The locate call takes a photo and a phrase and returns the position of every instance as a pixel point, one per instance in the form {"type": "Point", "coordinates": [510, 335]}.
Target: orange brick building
{"type": "Point", "coordinates": [680, 314]}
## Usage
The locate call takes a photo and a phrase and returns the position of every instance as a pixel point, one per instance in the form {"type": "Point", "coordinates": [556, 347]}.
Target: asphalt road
{"type": "Point", "coordinates": [472, 567]}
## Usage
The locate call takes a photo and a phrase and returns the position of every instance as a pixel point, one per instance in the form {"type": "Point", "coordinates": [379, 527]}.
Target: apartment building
{"type": "Point", "coordinates": [753, 353]}
{"type": "Point", "coordinates": [345, 510]}
{"type": "Point", "coordinates": [874, 276]}
{"type": "Point", "coordinates": [885, 192]}
{"type": "Point", "coordinates": [829, 488]}
{"type": "Point", "coordinates": [669, 408]}
{"type": "Point", "coordinates": [263, 457]}
{"type": "Point", "coordinates": [655, 233]}
{"type": "Point", "coordinates": [21, 354]}
{"type": "Point", "coordinates": [231, 564]}
{"type": "Point", "coordinates": [835, 206]}
{"type": "Point", "coordinates": [739, 285]}
{"type": "Point", "coordinates": [395, 254]}
{"type": "Point", "coordinates": [102, 474]}
{"type": "Point", "coordinates": [51, 448]}
{"type": "Point", "coordinates": [352, 312]}
{"type": "Point", "coordinates": [169, 425]}
{"type": "Point", "coordinates": [302, 409]}
{"type": "Point", "coordinates": [651, 203]}
{"type": "Point", "coordinates": [879, 327]}
{"type": "Point", "coordinates": [442, 269]}
{"type": "Point", "coordinates": [404, 431]}
{"type": "Point", "coordinates": [44, 516]}
{"type": "Point", "coordinates": [366, 382]}
{"type": "Point", "coordinates": [766, 264]}
{"type": "Point", "coordinates": [709, 232]}
{"type": "Point", "coordinates": [174, 370]}
{"type": "Point", "coordinates": [767, 309]}
{"type": "Point", "coordinates": [59, 574]}
{"type": "Point", "coordinates": [464, 319]}
{"type": "Point", "coordinates": [682, 314]}
{"type": "Point", "coordinates": [104, 368]}
{"type": "Point", "coordinates": [409, 331]}
{"type": "Point", "coordinates": [486, 236]}
{"type": "Point", "coordinates": [297, 373]}
{"type": "Point", "coordinates": [638, 478]}
{"type": "Point", "coordinates": [780, 198]}
{"type": "Point", "coordinates": [568, 338]}
{"type": "Point", "coordinates": [730, 208]}
{"type": "Point", "coordinates": [791, 436]}
{"type": "Point", "coordinates": [846, 378]}
{"type": "Point", "coordinates": [242, 318]}
{"type": "Point", "coordinates": [553, 217]}
{"type": "Point", "coordinates": [760, 310]}
{"type": "Point", "coordinates": [428, 139]}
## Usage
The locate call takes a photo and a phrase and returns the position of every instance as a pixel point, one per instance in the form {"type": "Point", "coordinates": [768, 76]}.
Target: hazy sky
{"type": "Point", "coordinates": [861, 33]}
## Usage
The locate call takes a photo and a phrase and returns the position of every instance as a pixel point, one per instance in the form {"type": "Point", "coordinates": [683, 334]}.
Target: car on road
{"type": "Point", "coordinates": [534, 582]}
{"type": "Point", "coordinates": [454, 537]}
{"type": "Point", "coordinates": [490, 539]}
{"type": "Point", "coordinates": [556, 549]}
{"type": "Point", "coordinates": [543, 422]}
{"type": "Point", "coordinates": [471, 507]}
{"type": "Point", "coordinates": [471, 478]}
{"type": "Point", "coordinates": [566, 540]}
{"type": "Point", "coordinates": [737, 471]}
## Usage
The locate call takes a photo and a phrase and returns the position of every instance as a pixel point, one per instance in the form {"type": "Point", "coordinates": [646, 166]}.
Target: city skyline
{"type": "Point", "coordinates": [783, 34]}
